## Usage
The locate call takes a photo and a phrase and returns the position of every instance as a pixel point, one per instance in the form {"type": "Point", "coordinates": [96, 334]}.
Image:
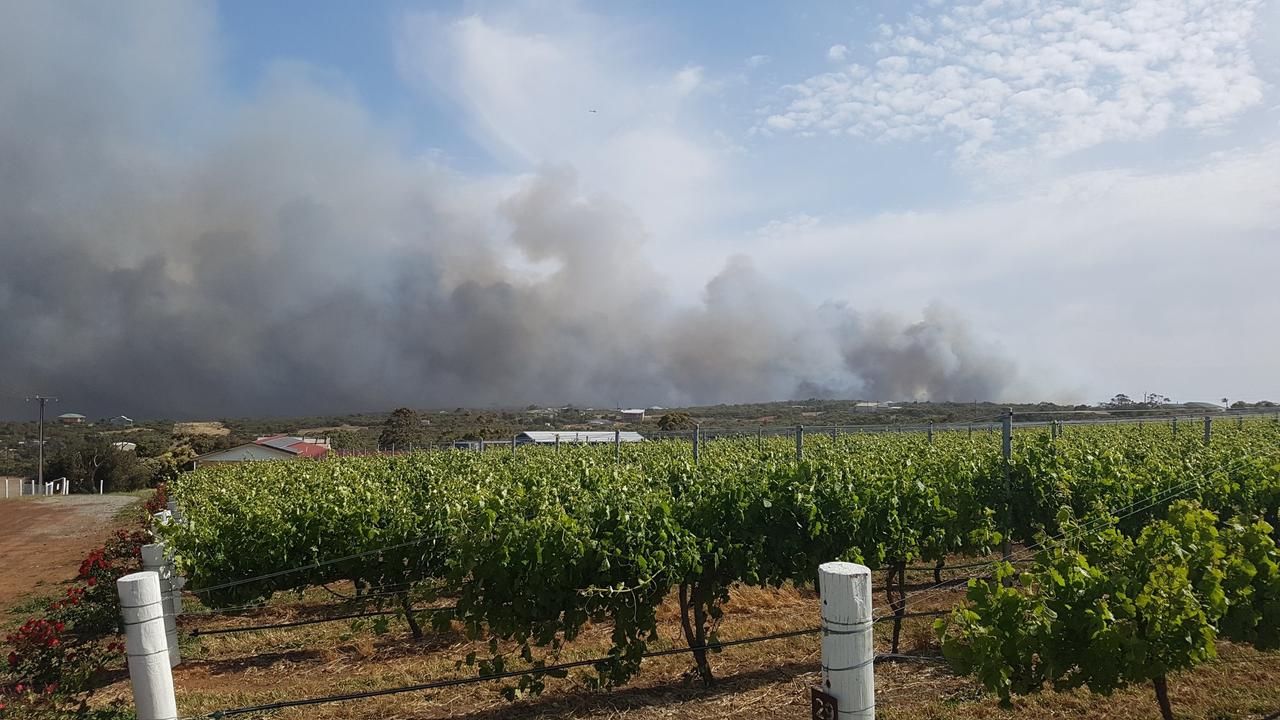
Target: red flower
{"type": "Point", "coordinates": [58, 626]}
{"type": "Point", "coordinates": [91, 582]}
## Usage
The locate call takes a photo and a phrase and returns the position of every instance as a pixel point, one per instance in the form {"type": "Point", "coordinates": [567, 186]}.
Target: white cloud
{"type": "Point", "coordinates": [1045, 79]}
{"type": "Point", "coordinates": [688, 80]}
{"type": "Point", "coordinates": [756, 61]}
{"type": "Point", "coordinates": [1105, 281]}
{"type": "Point", "coordinates": [560, 88]}
{"type": "Point", "coordinates": [788, 226]}
{"type": "Point", "coordinates": [837, 53]}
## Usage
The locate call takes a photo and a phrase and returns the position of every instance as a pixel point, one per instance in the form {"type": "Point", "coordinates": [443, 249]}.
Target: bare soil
{"type": "Point", "coordinates": [43, 540]}
{"type": "Point", "coordinates": [765, 680]}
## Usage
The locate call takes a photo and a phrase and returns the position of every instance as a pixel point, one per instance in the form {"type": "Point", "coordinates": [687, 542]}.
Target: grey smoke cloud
{"type": "Point", "coordinates": [167, 249]}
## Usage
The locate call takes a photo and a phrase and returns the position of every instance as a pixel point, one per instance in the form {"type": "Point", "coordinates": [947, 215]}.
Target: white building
{"type": "Point", "coordinates": [633, 415]}
{"type": "Point", "coordinates": [549, 437]}
{"type": "Point", "coordinates": [874, 407]}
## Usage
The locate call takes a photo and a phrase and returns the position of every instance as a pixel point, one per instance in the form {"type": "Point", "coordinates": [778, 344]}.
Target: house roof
{"type": "Point", "coordinates": [301, 446]}
{"type": "Point", "coordinates": [71, 416]}
{"type": "Point", "coordinates": [310, 450]}
{"type": "Point", "coordinates": [280, 442]}
{"type": "Point", "coordinates": [286, 445]}
{"type": "Point", "coordinates": [283, 453]}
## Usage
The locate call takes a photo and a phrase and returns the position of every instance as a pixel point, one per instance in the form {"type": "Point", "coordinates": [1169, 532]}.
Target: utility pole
{"type": "Point", "coordinates": [40, 467]}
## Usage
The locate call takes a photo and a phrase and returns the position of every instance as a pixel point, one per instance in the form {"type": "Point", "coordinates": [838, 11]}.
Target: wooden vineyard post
{"type": "Point", "coordinates": [848, 657]}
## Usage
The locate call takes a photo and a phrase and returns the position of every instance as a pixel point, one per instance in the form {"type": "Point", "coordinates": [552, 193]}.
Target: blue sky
{"type": "Point", "coordinates": [1043, 198]}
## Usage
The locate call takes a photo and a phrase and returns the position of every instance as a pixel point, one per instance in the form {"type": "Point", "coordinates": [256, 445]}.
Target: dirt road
{"type": "Point", "coordinates": [43, 539]}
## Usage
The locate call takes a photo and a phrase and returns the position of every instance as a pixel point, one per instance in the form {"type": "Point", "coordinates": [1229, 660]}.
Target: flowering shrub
{"type": "Point", "coordinates": [44, 658]}
{"type": "Point", "coordinates": [50, 659]}
{"type": "Point", "coordinates": [158, 500]}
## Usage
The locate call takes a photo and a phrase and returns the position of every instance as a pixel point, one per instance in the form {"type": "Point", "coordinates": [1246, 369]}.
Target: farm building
{"type": "Point", "coordinates": [548, 437]}
{"type": "Point", "coordinates": [125, 446]}
{"type": "Point", "coordinates": [633, 415]}
{"type": "Point", "coordinates": [119, 421]}
{"type": "Point", "coordinates": [71, 419]}
{"type": "Point", "coordinates": [271, 447]}
{"type": "Point", "coordinates": [874, 407]}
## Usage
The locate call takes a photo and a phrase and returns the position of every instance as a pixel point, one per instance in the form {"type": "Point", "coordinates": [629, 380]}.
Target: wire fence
{"type": "Point", "coordinates": [1021, 420]}
{"type": "Point", "coordinates": [543, 670]}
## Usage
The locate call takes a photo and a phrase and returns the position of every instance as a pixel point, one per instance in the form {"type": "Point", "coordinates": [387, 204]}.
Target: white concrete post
{"type": "Point", "coordinates": [848, 656]}
{"type": "Point", "coordinates": [142, 611]}
{"type": "Point", "coordinates": [179, 582]}
{"type": "Point", "coordinates": [153, 560]}
{"type": "Point", "coordinates": [100, 482]}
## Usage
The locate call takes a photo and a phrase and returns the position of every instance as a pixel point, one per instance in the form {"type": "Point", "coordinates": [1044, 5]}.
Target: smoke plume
{"type": "Point", "coordinates": [170, 249]}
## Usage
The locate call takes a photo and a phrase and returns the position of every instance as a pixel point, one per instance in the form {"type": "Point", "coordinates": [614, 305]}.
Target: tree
{"type": "Point", "coordinates": [674, 421]}
{"type": "Point", "coordinates": [1120, 400]}
{"type": "Point", "coordinates": [402, 429]}
{"type": "Point", "coordinates": [86, 463]}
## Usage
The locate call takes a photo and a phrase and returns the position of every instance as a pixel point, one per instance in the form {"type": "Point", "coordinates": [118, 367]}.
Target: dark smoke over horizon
{"type": "Point", "coordinates": [166, 251]}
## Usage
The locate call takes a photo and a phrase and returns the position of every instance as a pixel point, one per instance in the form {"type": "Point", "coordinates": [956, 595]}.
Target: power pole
{"type": "Point", "coordinates": [40, 467]}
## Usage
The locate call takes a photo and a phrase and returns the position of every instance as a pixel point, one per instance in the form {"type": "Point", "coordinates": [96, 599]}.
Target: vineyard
{"type": "Point", "coordinates": [1130, 548]}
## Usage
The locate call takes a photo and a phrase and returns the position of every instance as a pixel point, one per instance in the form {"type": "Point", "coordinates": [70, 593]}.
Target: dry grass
{"type": "Point", "coordinates": [332, 429]}
{"type": "Point", "coordinates": [201, 428]}
{"type": "Point", "coordinates": [762, 680]}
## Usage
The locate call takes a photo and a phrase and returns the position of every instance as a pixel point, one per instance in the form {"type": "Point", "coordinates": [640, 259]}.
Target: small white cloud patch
{"type": "Point", "coordinates": [1032, 79]}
